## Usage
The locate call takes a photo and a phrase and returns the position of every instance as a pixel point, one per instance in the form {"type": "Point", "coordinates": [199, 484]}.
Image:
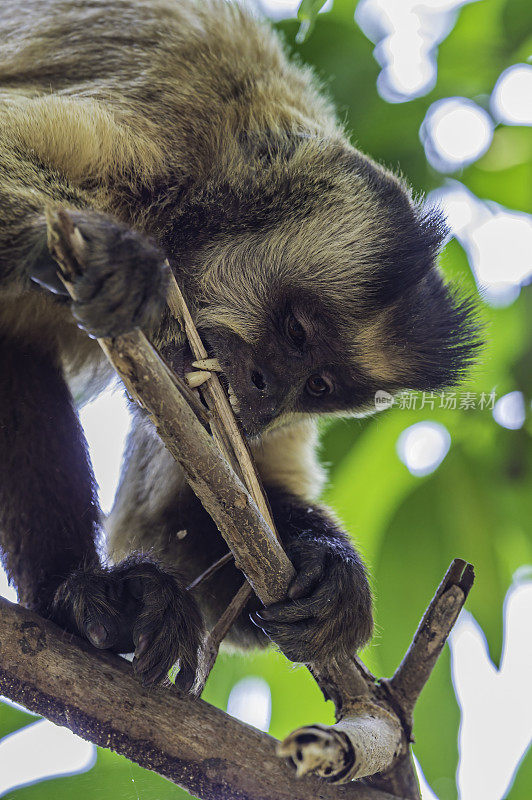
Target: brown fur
{"type": "Point", "coordinates": [185, 121]}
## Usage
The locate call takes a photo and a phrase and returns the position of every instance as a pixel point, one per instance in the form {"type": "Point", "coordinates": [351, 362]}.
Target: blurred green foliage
{"type": "Point", "coordinates": [477, 505]}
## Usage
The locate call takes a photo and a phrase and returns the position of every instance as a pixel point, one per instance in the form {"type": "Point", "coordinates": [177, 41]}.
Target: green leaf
{"type": "Point", "coordinates": [467, 516]}
{"type": "Point", "coordinates": [344, 10]}
{"type": "Point", "coordinates": [12, 719]}
{"type": "Point", "coordinates": [472, 57]}
{"type": "Point", "coordinates": [509, 185]}
{"type": "Point", "coordinates": [112, 776]}
{"type": "Point", "coordinates": [296, 699]}
{"type": "Point", "coordinates": [516, 21]}
{"type": "Point", "coordinates": [371, 482]}
{"type": "Point", "coordinates": [436, 724]}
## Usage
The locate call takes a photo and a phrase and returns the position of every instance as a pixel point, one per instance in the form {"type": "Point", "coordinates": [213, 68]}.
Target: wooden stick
{"type": "Point", "coordinates": [217, 401]}
{"type": "Point", "coordinates": [414, 670]}
{"type": "Point", "coordinates": [151, 384]}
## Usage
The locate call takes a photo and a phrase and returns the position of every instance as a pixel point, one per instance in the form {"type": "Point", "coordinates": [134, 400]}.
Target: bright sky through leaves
{"type": "Point", "coordinates": [423, 446]}
{"type": "Point", "coordinates": [511, 100]}
{"type": "Point", "coordinates": [455, 133]}
{"type": "Point", "coordinates": [509, 411]}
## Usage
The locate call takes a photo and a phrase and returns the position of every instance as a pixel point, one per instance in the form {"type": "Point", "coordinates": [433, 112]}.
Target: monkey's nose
{"type": "Point", "coordinates": [259, 399]}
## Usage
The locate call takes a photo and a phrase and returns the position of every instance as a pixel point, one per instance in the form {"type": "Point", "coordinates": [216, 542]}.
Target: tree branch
{"type": "Point", "coordinates": [414, 670]}
{"type": "Point", "coordinates": [388, 703]}
{"type": "Point", "coordinates": [187, 741]}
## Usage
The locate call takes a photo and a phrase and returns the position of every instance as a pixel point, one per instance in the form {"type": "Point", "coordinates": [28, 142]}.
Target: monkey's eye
{"type": "Point", "coordinates": [318, 386]}
{"type": "Point", "coordinates": [295, 331]}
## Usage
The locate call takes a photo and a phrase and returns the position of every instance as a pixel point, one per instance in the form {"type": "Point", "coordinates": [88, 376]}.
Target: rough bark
{"type": "Point", "coordinates": [193, 744]}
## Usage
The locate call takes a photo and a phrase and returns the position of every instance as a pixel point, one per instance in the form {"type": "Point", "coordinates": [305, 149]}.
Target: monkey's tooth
{"type": "Point", "coordinates": [195, 379]}
{"type": "Point", "coordinates": [211, 364]}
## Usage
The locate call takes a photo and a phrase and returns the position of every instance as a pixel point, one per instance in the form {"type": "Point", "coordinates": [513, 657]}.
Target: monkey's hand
{"type": "Point", "coordinates": [123, 282]}
{"type": "Point", "coordinates": [328, 610]}
{"type": "Point", "coordinates": [135, 606]}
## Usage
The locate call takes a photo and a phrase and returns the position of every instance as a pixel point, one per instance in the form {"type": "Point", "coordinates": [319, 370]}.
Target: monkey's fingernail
{"type": "Point", "coordinates": [211, 364]}
{"type": "Point", "coordinates": [97, 634]}
{"type": "Point", "coordinates": [185, 679]}
{"type": "Point", "coordinates": [195, 379]}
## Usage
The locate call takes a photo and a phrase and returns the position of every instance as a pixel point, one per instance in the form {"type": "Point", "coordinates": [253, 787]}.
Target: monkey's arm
{"type": "Point", "coordinates": [48, 505]}
{"type": "Point", "coordinates": [48, 513]}
{"type": "Point", "coordinates": [26, 187]}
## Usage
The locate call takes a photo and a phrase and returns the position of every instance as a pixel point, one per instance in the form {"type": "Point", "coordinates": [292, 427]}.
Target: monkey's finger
{"type": "Point", "coordinates": [151, 663]}
{"type": "Point", "coordinates": [154, 659]}
{"type": "Point", "coordinates": [88, 286]}
{"type": "Point", "coordinates": [162, 638]}
{"type": "Point", "coordinates": [49, 279]}
{"type": "Point", "coordinates": [295, 640]}
{"type": "Point", "coordinates": [186, 676]}
{"type": "Point", "coordinates": [294, 611]}
{"type": "Point", "coordinates": [280, 630]}
{"type": "Point", "coordinates": [97, 620]}
{"type": "Point", "coordinates": [100, 633]}
{"type": "Point", "coordinates": [307, 578]}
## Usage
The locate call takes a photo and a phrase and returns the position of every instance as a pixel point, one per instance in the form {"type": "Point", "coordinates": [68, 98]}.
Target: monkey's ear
{"type": "Point", "coordinates": [271, 146]}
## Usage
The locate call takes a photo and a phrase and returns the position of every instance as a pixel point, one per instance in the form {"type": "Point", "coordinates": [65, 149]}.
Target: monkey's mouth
{"type": "Point", "coordinates": [183, 363]}
{"type": "Point", "coordinates": [228, 363]}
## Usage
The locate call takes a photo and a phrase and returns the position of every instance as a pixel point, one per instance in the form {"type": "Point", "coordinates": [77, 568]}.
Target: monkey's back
{"type": "Point", "coordinates": [166, 80]}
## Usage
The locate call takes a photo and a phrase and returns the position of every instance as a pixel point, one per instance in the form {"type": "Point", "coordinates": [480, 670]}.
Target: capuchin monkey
{"type": "Point", "coordinates": [179, 129]}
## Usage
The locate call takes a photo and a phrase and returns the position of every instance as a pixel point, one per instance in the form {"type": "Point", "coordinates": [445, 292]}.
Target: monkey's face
{"type": "Point", "coordinates": [306, 358]}
{"type": "Point", "coordinates": [317, 344]}
{"type": "Point", "coordinates": [297, 364]}
{"type": "Point", "coordinates": [317, 287]}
